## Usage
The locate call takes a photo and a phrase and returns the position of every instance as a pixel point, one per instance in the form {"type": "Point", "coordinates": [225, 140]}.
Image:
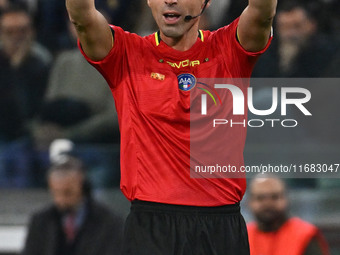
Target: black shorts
{"type": "Point", "coordinates": [161, 229]}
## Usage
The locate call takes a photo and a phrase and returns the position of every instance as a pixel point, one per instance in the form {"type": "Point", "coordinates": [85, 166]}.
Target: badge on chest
{"type": "Point", "coordinates": [186, 81]}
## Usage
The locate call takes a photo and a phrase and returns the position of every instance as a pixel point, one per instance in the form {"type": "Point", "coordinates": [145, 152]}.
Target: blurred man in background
{"type": "Point", "coordinates": [75, 224]}
{"type": "Point", "coordinates": [274, 232]}
{"type": "Point", "coordinates": [299, 50]}
{"type": "Point", "coordinates": [86, 117]}
{"type": "Point", "coordinates": [24, 67]}
{"type": "Point", "coordinates": [24, 70]}
{"type": "Point", "coordinates": [51, 16]}
{"type": "Point", "coordinates": [3, 5]}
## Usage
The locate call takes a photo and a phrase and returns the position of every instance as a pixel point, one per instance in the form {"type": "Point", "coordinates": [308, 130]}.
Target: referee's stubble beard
{"type": "Point", "coordinates": [170, 17]}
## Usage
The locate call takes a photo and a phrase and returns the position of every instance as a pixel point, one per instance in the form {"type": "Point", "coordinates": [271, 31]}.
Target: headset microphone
{"type": "Point", "coordinates": [189, 17]}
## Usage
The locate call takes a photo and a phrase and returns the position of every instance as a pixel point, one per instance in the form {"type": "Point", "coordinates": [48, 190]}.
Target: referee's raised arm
{"type": "Point", "coordinates": [255, 24]}
{"type": "Point", "coordinates": [93, 30]}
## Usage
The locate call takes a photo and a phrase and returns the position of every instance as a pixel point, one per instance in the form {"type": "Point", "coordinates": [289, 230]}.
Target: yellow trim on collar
{"type": "Point", "coordinates": [157, 39]}
{"type": "Point", "coordinates": [202, 35]}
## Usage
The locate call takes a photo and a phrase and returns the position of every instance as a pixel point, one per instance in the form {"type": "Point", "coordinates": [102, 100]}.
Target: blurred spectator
{"type": "Point", "coordinates": [123, 13]}
{"type": "Point", "coordinates": [217, 13]}
{"type": "Point", "coordinates": [324, 11]}
{"type": "Point", "coordinates": [3, 5]}
{"type": "Point", "coordinates": [333, 69]}
{"type": "Point", "coordinates": [334, 10]}
{"type": "Point", "coordinates": [235, 9]}
{"type": "Point", "coordinates": [22, 166]}
{"type": "Point", "coordinates": [51, 20]}
{"type": "Point", "coordinates": [75, 224]}
{"type": "Point", "coordinates": [24, 70]}
{"type": "Point", "coordinates": [87, 117]}
{"type": "Point", "coordinates": [274, 232]}
{"type": "Point", "coordinates": [298, 49]}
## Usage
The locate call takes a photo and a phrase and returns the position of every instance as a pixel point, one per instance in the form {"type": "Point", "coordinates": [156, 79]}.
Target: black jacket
{"type": "Point", "coordinates": [100, 233]}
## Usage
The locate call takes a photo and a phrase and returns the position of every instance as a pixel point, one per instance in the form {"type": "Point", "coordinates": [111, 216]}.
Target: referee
{"type": "Point", "coordinates": [152, 79]}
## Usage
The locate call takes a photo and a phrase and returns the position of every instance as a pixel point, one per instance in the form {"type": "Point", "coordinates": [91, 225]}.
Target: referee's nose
{"type": "Point", "coordinates": [170, 2]}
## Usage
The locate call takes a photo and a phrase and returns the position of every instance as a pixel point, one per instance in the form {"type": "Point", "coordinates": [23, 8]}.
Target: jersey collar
{"type": "Point", "coordinates": [158, 37]}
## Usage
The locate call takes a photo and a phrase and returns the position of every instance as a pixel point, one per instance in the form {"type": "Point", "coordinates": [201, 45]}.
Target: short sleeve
{"type": "Point", "coordinates": [111, 67]}
{"type": "Point", "coordinates": [232, 37]}
{"type": "Point", "coordinates": [233, 51]}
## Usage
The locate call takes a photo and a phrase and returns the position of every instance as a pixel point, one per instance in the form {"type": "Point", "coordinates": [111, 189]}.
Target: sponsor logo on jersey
{"type": "Point", "coordinates": [186, 81]}
{"type": "Point", "coordinates": [184, 63]}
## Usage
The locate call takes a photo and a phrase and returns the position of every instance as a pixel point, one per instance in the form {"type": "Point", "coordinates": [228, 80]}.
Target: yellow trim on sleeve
{"type": "Point", "coordinates": [237, 36]}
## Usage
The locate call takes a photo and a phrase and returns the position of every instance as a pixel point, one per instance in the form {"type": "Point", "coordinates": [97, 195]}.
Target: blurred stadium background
{"type": "Point", "coordinates": [24, 157]}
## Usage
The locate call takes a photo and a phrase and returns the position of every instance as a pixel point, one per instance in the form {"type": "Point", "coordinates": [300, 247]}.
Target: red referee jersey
{"type": "Point", "coordinates": [154, 114]}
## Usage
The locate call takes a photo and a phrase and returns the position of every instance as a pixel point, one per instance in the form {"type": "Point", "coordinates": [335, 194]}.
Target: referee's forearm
{"type": "Point", "coordinates": [93, 30]}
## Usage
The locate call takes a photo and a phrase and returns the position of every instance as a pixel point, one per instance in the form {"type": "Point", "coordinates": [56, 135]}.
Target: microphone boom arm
{"type": "Point", "coordinates": [189, 17]}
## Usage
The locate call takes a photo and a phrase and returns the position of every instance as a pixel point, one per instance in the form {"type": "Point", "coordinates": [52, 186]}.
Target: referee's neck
{"type": "Point", "coordinates": [183, 42]}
